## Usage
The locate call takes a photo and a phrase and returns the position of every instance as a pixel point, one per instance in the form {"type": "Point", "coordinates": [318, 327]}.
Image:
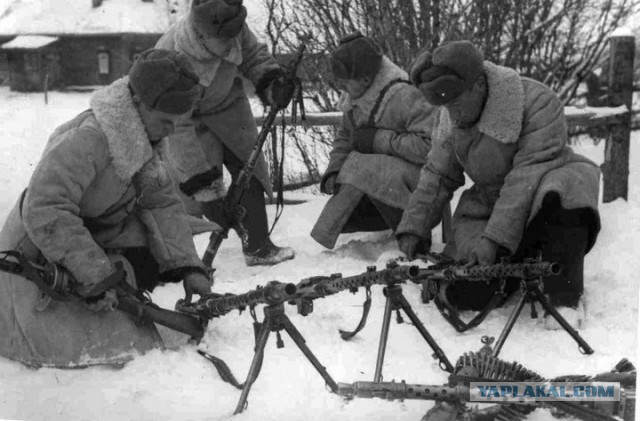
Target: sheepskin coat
{"type": "Point", "coordinates": [404, 121]}
{"type": "Point", "coordinates": [99, 186]}
{"type": "Point", "coordinates": [223, 116]}
{"type": "Point", "coordinates": [515, 155]}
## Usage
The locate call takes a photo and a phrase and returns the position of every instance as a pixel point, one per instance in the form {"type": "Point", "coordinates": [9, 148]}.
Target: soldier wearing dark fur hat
{"type": "Point", "coordinates": [530, 191]}
{"type": "Point", "coordinates": [101, 194]}
{"type": "Point", "coordinates": [221, 129]}
{"type": "Point", "coordinates": [384, 139]}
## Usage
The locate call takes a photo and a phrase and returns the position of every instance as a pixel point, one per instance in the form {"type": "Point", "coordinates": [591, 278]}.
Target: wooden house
{"type": "Point", "coordinates": [52, 44]}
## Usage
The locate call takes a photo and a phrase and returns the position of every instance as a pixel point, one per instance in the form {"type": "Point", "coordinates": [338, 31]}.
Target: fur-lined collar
{"type": "Point", "coordinates": [364, 105]}
{"type": "Point", "coordinates": [504, 109]}
{"type": "Point", "coordinates": [206, 53]}
{"type": "Point", "coordinates": [503, 112]}
{"type": "Point", "coordinates": [127, 138]}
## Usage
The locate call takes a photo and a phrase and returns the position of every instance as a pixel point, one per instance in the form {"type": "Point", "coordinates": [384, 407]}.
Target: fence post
{"type": "Point", "coordinates": [615, 169]}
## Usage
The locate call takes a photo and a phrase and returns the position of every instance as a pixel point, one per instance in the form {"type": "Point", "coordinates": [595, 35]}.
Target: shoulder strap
{"type": "Point", "coordinates": [378, 104]}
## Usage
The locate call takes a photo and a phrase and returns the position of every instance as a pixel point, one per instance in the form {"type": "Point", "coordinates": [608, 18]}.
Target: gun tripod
{"type": "Point", "coordinates": [396, 301]}
{"type": "Point", "coordinates": [276, 320]}
{"type": "Point", "coordinates": [531, 293]}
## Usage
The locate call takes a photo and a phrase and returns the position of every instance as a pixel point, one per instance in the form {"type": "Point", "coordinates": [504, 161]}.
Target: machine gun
{"type": "Point", "coordinates": [451, 399]}
{"type": "Point", "coordinates": [316, 287]}
{"type": "Point", "coordinates": [436, 278]}
{"type": "Point", "coordinates": [529, 273]}
{"type": "Point", "coordinates": [215, 305]}
{"type": "Point", "coordinates": [234, 211]}
{"type": "Point", "coordinates": [275, 294]}
{"type": "Point", "coordinates": [56, 283]}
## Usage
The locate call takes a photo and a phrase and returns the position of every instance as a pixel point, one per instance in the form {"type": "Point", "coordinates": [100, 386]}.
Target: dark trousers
{"type": "Point", "coordinates": [255, 224]}
{"type": "Point", "coordinates": [145, 267]}
{"type": "Point", "coordinates": [372, 215]}
{"type": "Point", "coordinates": [562, 236]}
{"type": "Point", "coordinates": [559, 235]}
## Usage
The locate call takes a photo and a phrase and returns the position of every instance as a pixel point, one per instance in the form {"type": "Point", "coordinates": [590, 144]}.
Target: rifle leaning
{"type": "Point", "coordinates": [233, 210]}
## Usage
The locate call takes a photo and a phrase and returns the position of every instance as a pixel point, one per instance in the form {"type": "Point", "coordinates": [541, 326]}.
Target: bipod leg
{"type": "Point", "coordinates": [297, 337]}
{"type": "Point", "coordinates": [394, 293]}
{"type": "Point", "coordinates": [384, 336]}
{"type": "Point", "coordinates": [513, 317]}
{"type": "Point", "coordinates": [583, 346]}
{"type": "Point", "coordinates": [256, 363]}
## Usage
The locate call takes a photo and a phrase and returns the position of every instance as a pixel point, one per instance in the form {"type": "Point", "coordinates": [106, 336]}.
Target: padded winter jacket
{"type": "Point", "coordinates": [100, 184]}
{"type": "Point", "coordinates": [514, 155]}
{"type": "Point", "coordinates": [222, 115]}
{"type": "Point", "coordinates": [403, 117]}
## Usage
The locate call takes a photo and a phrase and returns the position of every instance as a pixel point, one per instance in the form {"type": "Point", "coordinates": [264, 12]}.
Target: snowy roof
{"type": "Point", "coordinates": [55, 17]}
{"type": "Point", "coordinates": [28, 42]}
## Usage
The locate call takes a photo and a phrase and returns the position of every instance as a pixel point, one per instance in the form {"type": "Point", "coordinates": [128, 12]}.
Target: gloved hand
{"type": "Point", "coordinates": [280, 91]}
{"type": "Point", "coordinates": [108, 301]}
{"type": "Point", "coordinates": [195, 282]}
{"type": "Point", "coordinates": [362, 139]}
{"type": "Point", "coordinates": [484, 253]}
{"type": "Point", "coordinates": [330, 185]}
{"type": "Point", "coordinates": [408, 244]}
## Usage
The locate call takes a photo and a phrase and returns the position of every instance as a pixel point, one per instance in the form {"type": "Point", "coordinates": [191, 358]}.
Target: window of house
{"type": "Point", "coordinates": [31, 61]}
{"type": "Point", "coordinates": [103, 62]}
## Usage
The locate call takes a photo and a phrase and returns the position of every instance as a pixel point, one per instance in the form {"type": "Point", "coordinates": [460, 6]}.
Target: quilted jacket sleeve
{"type": "Point", "coordinates": [257, 63]}
{"type": "Point", "coordinates": [440, 177]}
{"type": "Point", "coordinates": [415, 115]}
{"type": "Point", "coordinates": [165, 217]}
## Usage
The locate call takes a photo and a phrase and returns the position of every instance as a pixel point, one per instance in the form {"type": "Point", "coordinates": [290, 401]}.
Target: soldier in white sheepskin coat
{"type": "Point", "coordinates": [530, 190]}
{"type": "Point", "coordinates": [99, 192]}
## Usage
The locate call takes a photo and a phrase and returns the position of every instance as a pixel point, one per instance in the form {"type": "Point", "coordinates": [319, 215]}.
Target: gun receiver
{"type": "Point", "coordinates": [455, 272]}
{"type": "Point", "coordinates": [215, 305]}
{"type": "Point", "coordinates": [321, 286]}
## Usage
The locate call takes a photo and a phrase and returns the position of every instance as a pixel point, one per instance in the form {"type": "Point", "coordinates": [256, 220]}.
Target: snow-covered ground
{"type": "Point", "coordinates": [178, 384]}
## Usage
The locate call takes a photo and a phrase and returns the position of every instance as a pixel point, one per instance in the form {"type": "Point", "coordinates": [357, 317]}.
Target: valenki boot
{"type": "Point", "coordinates": [257, 247]}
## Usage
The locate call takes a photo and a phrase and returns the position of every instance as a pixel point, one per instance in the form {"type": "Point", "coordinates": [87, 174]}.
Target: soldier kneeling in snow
{"type": "Point", "coordinates": [384, 140]}
{"type": "Point", "coordinates": [101, 194]}
{"type": "Point", "coordinates": [531, 192]}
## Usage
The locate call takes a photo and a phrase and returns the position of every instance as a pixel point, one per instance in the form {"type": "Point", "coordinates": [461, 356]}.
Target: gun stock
{"type": "Point", "coordinates": [128, 303]}
{"type": "Point", "coordinates": [179, 322]}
